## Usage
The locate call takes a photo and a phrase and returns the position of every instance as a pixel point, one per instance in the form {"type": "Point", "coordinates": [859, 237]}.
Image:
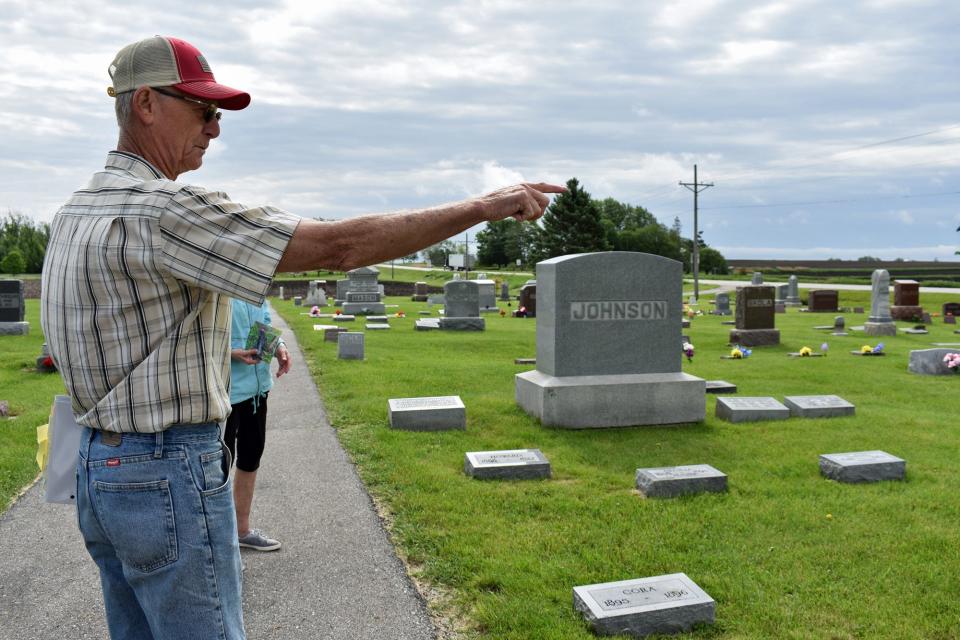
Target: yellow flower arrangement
{"type": "Point", "coordinates": [736, 353]}
{"type": "Point", "coordinates": [866, 349]}
{"type": "Point", "coordinates": [806, 351]}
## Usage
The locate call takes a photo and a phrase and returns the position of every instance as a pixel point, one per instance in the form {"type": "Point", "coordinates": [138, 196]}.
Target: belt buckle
{"type": "Point", "coordinates": [111, 438]}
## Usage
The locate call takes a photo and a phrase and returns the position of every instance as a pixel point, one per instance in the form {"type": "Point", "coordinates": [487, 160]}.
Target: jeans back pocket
{"type": "Point", "coordinates": [138, 519]}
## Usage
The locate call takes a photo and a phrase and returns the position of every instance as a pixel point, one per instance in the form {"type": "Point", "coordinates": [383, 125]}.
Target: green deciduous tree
{"type": "Point", "coordinates": [13, 262]}
{"type": "Point", "coordinates": [18, 232]}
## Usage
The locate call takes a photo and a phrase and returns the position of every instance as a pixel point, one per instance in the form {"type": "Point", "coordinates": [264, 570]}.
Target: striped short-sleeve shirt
{"type": "Point", "coordinates": [136, 285]}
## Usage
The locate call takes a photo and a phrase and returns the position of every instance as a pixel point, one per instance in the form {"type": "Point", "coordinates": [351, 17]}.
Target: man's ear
{"type": "Point", "coordinates": [145, 105]}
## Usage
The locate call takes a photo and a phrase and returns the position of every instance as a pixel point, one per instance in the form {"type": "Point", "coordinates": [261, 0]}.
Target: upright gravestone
{"type": "Point", "coordinates": [951, 309]}
{"type": "Point", "coordinates": [487, 290]}
{"type": "Point", "coordinates": [12, 309]}
{"type": "Point", "coordinates": [316, 296]}
{"type": "Point", "coordinates": [879, 322]}
{"type": "Point", "coordinates": [608, 330]}
{"type": "Point", "coordinates": [528, 298]}
{"type": "Point", "coordinates": [757, 278]}
{"type": "Point", "coordinates": [342, 286]}
{"type": "Point", "coordinates": [504, 291]}
{"type": "Point", "coordinates": [420, 292]}
{"type": "Point", "coordinates": [722, 301]}
{"type": "Point", "coordinates": [363, 293]}
{"type": "Point", "coordinates": [782, 291]}
{"type": "Point", "coordinates": [461, 306]}
{"type": "Point", "coordinates": [793, 292]}
{"type": "Point", "coordinates": [823, 300]}
{"type": "Point", "coordinates": [906, 301]}
{"type": "Point", "coordinates": [350, 346]}
{"type": "Point", "coordinates": [755, 317]}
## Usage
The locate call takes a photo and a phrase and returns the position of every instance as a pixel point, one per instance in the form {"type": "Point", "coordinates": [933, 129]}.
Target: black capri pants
{"type": "Point", "coordinates": [246, 433]}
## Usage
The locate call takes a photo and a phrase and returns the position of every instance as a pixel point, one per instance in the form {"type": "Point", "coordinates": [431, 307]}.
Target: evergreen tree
{"type": "Point", "coordinates": [572, 224]}
{"type": "Point", "coordinates": [13, 263]}
{"type": "Point", "coordinates": [492, 242]}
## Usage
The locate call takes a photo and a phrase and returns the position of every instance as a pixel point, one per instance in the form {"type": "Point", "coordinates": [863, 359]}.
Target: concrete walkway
{"type": "Point", "coordinates": [337, 575]}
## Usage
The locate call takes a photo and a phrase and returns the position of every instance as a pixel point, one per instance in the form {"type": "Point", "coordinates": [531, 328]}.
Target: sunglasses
{"type": "Point", "coordinates": [210, 112]}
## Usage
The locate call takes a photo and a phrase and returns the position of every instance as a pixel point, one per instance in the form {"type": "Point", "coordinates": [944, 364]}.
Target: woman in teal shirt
{"type": "Point", "coordinates": [246, 428]}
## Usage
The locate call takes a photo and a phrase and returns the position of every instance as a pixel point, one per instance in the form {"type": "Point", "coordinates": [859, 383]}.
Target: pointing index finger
{"type": "Point", "coordinates": [546, 187]}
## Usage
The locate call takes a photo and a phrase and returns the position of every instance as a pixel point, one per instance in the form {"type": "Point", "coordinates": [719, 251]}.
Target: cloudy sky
{"type": "Point", "coordinates": [829, 128]}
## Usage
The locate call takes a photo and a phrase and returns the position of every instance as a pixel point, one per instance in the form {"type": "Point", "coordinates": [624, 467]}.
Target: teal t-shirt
{"type": "Point", "coordinates": [247, 380]}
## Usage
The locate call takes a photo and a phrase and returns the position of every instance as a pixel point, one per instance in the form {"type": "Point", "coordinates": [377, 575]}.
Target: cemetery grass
{"type": "Point", "coordinates": [433, 277]}
{"type": "Point", "coordinates": [785, 553]}
{"type": "Point", "coordinates": [30, 395]}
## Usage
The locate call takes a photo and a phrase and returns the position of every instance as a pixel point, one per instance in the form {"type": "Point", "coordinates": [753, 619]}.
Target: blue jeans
{"type": "Point", "coordinates": [157, 516]}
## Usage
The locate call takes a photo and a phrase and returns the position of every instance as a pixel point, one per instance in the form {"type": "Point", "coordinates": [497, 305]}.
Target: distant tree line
{"type": "Point", "coordinates": [23, 244]}
{"type": "Point", "coordinates": [576, 223]}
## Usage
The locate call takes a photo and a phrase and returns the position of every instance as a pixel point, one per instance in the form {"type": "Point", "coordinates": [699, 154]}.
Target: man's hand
{"type": "Point", "coordinates": [522, 201]}
{"type": "Point", "coordinates": [246, 356]}
{"type": "Point", "coordinates": [283, 359]}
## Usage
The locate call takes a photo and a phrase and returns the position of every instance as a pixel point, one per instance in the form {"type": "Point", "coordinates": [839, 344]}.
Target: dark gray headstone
{"type": "Point", "coordinates": [722, 301]}
{"type": "Point", "coordinates": [350, 346]}
{"type": "Point", "coordinates": [438, 413]}
{"type": "Point", "coordinates": [461, 299]}
{"type": "Point", "coordinates": [515, 464]}
{"type": "Point", "coordinates": [342, 288]}
{"type": "Point", "coordinates": [504, 291]}
{"type": "Point", "coordinates": [528, 299]}
{"type": "Point", "coordinates": [862, 466]}
{"type": "Point", "coordinates": [951, 309]}
{"type": "Point", "coordinates": [929, 362]}
{"type": "Point", "coordinates": [818, 406]}
{"type": "Point", "coordinates": [750, 409]}
{"type": "Point", "coordinates": [12, 306]}
{"type": "Point", "coordinates": [670, 482]}
{"type": "Point", "coordinates": [663, 604]}
{"type": "Point", "coordinates": [297, 301]}
{"type": "Point", "coordinates": [755, 308]}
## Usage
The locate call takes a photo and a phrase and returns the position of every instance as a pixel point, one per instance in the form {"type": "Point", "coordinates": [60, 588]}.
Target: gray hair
{"type": "Point", "coordinates": [123, 106]}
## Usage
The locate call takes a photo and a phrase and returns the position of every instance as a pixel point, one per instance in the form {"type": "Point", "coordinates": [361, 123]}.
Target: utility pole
{"type": "Point", "coordinates": [466, 256]}
{"type": "Point", "coordinates": [696, 187]}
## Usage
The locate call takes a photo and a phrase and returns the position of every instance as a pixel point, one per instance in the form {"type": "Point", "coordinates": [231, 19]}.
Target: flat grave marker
{"type": "Point", "coordinates": [818, 406]}
{"type": "Point", "coordinates": [670, 482]}
{"type": "Point", "coordinates": [669, 603]}
{"type": "Point", "coordinates": [377, 326]}
{"type": "Point", "coordinates": [513, 464]}
{"type": "Point", "coordinates": [862, 466]}
{"type": "Point", "coordinates": [434, 413]}
{"type": "Point", "coordinates": [750, 409]}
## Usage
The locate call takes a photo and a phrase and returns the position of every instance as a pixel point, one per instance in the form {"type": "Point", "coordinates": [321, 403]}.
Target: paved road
{"type": "Point", "coordinates": [337, 575]}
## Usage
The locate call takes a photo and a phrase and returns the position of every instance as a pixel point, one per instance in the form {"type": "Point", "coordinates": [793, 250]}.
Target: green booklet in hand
{"type": "Point", "coordinates": [265, 339]}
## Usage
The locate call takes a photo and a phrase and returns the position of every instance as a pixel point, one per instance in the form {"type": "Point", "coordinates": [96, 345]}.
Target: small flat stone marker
{"type": "Point", "coordinates": [862, 466]}
{"type": "Point", "coordinates": [344, 318]}
{"type": "Point", "coordinates": [427, 414]}
{"type": "Point", "coordinates": [720, 386]}
{"type": "Point", "coordinates": [670, 482]}
{"type": "Point", "coordinates": [427, 324]}
{"type": "Point", "coordinates": [425, 312]}
{"type": "Point", "coordinates": [818, 406]}
{"type": "Point", "coordinates": [797, 354]}
{"type": "Point", "coordinates": [663, 604]}
{"type": "Point", "coordinates": [377, 326]}
{"type": "Point", "coordinates": [750, 409]}
{"type": "Point", "coordinates": [377, 319]}
{"type": "Point", "coordinates": [524, 361]}
{"type": "Point", "coordinates": [324, 327]}
{"type": "Point", "coordinates": [915, 332]}
{"type": "Point", "coordinates": [514, 464]}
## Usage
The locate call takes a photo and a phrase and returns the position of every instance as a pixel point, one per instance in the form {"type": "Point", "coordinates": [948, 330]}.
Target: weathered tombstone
{"type": "Point", "coordinates": [720, 386]}
{"type": "Point", "coordinates": [12, 309]}
{"type": "Point", "coordinates": [722, 301]}
{"type": "Point", "coordinates": [608, 330]}
{"type": "Point", "coordinates": [793, 292]}
{"type": "Point", "coordinates": [297, 301]}
{"type": "Point", "coordinates": [862, 466]}
{"type": "Point", "coordinates": [906, 300]}
{"type": "Point", "coordinates": [757, 278]}
{"type": "Point", "coordinates": [929, 362]}
{"type": "Point", "coordinates": [750, 409]}
{"type": "Point", "coordinates": [363, 292]}
{"type": "Point", "coordinates": [662, 604]}
{"type": "Point", "coordinates": [879, 322]}
{"type": "Point", "coordinates": [818, 406]}
{"type": "Point", "coordinates": [670, 482]}
{"type": "Point", "coordinates": [316, 296]}
{"type": "Point", "coordinates": [350, 346]}
{"type": "Point", "coordinates": [755, 317]}
{"type": "Point", "coordinates": [782, 290]}
{"type": "Point", "coordinates": [820, 300]}
{"type": "Point", "coordinates": [330, 335]}
{"type": "Point", "coordinates": [487, 292]}
{"type": "Point", "coordinates": [427, 414]}
{"type": "Point", "coordinates": [281, 293]}
{"type": "Point", "coordinates": [504, 291]}
{"type": "Point", "coordinates": [515, 464]}
{"type": "Point", "coordinates": [420, 292]}
{"type": "Point", "coordinates": [462, 306]}
{"type": "Point", "coordinates": [342, 286]}
{"type": "Point", "coordinates": [528, 299]}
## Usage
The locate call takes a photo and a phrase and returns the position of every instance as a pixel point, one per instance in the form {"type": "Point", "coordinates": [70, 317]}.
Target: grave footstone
{"type": "Point", "coordinates": [929, 362]}
{"type": "Point", "coordinates": [818, 406]}
{"type": "Point", "coordinates": [670, 482]}
{"type": "Point", "coordinates": [350, 346]}
{"type": "Point", "coordinates": [438, 413]}
{"type": "Point", "coordinates": [462, 306]}
{"type": "Point", "coordinates": [750, 409]}
{"type": "Point", "coordinates": [343, 317]}
{"type": "Point", "coordinates": [12, 309]}
{"type": "Point", "coordinates": [906, 301]}
{"type": "Point", "coordinates": [862, 466]}
{"type": "Point", "coordinates": [608, 330]}
{"type": "Point", "coordinates": [514, 464]}
{"type": "Point", "coordinates": [755, 317]}
{"type": "Point", "coordinates": [670, 603]}
{"type": "Point", "coordinates": [793, 292]}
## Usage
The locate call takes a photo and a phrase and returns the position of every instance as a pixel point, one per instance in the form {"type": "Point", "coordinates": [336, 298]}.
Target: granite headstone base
{"type": "Point", "coordinates": [755, 337]}
{"type": "Point", "coordinates": [463, 324]}
{"type": "Point", "coordinates": [364, 308]}
{"type": "Point", "coordinates": [670, 603]}
{"type": "Point", "coordinates": [670, 482]}
{"type": "Point", "coordinates": [929, 362]}
{"type": "Point", "coordinates": [750, 409]}
{"type": "Point", "coordinates": [14, 328]}
{"type": "Point", "coordinates": [720, 386]}
{"type": "Point", "coordinates": [907, 313]}
{"type": "Point", "coordinates": [587, 402]}
{"type": "Point", "coordinates": [880, 328]}
{"type": "Point", "coordinates": [862, 466]}
{"type": "Point", "coordinates": [440, 413]}
{"type": "Point", "coordinates": [818, 406]}
{"type": "Point", "coordinates": [515, 464]}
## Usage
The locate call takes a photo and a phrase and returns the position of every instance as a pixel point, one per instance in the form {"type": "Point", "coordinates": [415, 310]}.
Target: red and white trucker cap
{"type": "Point", "coordinates": [162, 61]}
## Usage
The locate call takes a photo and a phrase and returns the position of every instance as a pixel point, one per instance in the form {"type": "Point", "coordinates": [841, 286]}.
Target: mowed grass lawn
{"type": "Point", "coordinates": [785, 553]}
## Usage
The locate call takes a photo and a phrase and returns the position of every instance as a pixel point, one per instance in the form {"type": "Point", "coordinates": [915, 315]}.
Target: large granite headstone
{"type": "Point", "coordinates": [906, 300]}
{"type": "Point", "coordinates": [528, 298]}
{"type": "Point", "coordinates": [363, 293]}
{"type": "Point", "coordinates": [12, 309]}
{"type": "Point", "coordinates": [929, 362]}
{"type": "Point", "coordinates": [608, 330]}
{"type": "Point", "coordinates": [793, 292]}
{"type": "Point", "coordinates": [750, 409]}
{"type": "Point", "coordinates": [670, 482]}
{"type": "Point", "coordinates": [755, 317]}
{"type": "Point", "coordinates": [438, 413]}
{"type": "Point", "coordinates": [862, 466]}
{"type": "Point", "coordinates": [350, 345]}
{"type": "Point", "coordinates": [515, 464]}
{"type": "Point", "coordinates": [823, 300]}
{"type": "Point", "coordinates": [880, 322]}
{"type": "Point", "coordinates": [461, 306]}
{"type": "Point", "coordinates": [670, 603]}
{"type": "Point", "coordinates": [818, 406]}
